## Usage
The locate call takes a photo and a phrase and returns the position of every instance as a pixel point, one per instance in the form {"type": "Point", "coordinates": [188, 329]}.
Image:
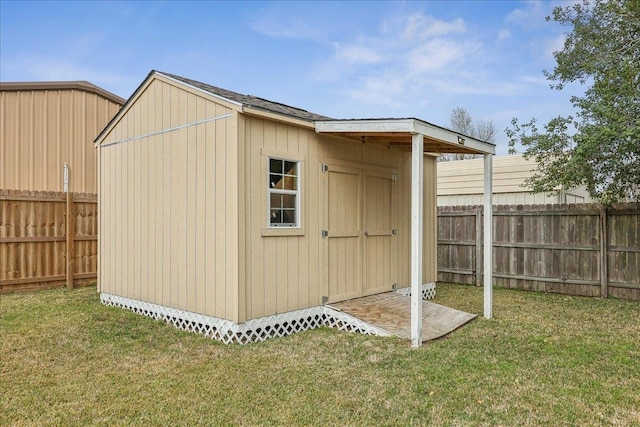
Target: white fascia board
{"type": "Point", "coordinates": [451, 137]}
{"type": "Point", "coordinates": [383, 125]}
{"type": "Point", "coordinates": [180, 82]}
{"type": "Point", "coordinates": [413, 126]}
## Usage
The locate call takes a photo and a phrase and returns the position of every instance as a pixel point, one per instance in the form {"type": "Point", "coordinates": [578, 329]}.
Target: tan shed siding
{"type": "Point", "coordinates": [430, 226]}
{"type": "Point", "coordinates": [281, 271]}
{"type": "Point", "coordinates": [167, 235]}
{"type": "Point", "coordinates": [429, 248]}
{"type": "Point", "coordinates": [467, 176]}
{"type": "Point", "coordinates": [285, 272]}
{"type": "Point", "coordinates": [462, 183]}
{"type": "Point", "coordinates": [42, 129]}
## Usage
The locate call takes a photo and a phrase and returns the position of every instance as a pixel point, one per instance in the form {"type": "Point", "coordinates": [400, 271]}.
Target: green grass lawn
{"type": "Point", "coordinates": [543, 360]}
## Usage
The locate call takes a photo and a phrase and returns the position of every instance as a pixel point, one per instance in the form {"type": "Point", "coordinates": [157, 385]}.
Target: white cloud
{"type": "Point", "coordinates": [530, 16]}
{"type": "Point", "coordinates": [419, 26]}
{"type": "Point", "coordinates": [279, 26]}
{"type": "Point", "coordinates": [43, 68]}
{"type": "Point", "coordinates": [410, 53]}
{"type": "Point", "coordinates": [356, 54]}
{"type": "Point", "coordinates": [553, 45]}
{"type": "Point", "coordinates": [503, 35]}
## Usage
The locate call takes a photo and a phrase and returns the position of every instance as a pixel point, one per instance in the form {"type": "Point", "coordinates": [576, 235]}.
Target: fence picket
{"type": "Point", "coordinates": [34, 242]}
{"type": "Point", "coordinates": [582, 249]}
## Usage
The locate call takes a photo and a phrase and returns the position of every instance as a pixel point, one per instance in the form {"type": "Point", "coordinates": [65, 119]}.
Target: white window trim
{"type": "Point", "coordinates": [274, 230]}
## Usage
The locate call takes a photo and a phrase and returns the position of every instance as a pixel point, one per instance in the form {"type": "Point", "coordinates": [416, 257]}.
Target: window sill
{"type": "Point", "coordinates": [282, 231]}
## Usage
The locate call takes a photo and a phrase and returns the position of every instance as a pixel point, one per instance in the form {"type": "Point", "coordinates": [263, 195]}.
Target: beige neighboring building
{"type": "Point", "coordinates": [241, 218]}
{"type": "Point", "coordinates": [44, 125]}
{"type": "Point", "coordinates": [460, 183]}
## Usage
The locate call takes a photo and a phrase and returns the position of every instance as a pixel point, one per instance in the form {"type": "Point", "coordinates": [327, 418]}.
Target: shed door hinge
{"type": "Point", "coordinates": [325, 167]}
{"type": "Point", "coordinates": [394, 177]}
{"type": "Point", "coordinates": [394, 231]}
{"type": "Point", "coordinates": [325, 233]}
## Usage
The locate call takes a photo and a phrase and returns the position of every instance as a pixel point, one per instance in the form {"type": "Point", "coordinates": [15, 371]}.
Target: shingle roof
{"type": "Point", "coordinates": [251, 101]}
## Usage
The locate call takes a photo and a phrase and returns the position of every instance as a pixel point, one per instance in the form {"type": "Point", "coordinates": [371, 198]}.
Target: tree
{"type": "Point", "coordinates": [461, 121]}
{"type": "Point", "coordinates": [600, 147]}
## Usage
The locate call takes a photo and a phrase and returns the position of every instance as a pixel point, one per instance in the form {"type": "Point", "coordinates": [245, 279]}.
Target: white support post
{"type": "Point", "coordinates": [417, 186]}
{"type": "Point", "coordinates": [488, 236]}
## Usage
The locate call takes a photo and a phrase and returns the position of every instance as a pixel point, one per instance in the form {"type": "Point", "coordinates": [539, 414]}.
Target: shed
{"type": "Point", "coordinates": [460, 182]}
{"type": "Point", "coordinates": [241, 217]}
{"type": "Point", "coordinates": [45, 125]}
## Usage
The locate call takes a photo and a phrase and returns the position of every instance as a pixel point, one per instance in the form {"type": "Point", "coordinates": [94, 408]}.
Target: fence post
{"type": "Point", "coordinates": [604, 273]}
{"type": "Point", "coordinates": [479, 247]}
{"type": "Point", "coordinates": [70, 233]}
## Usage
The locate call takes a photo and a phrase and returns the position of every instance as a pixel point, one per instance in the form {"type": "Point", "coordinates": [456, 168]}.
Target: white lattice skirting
{"type": "Point", "coordinates": [428, 291]}
{"type": "Point", "coordinates": [254, 330]}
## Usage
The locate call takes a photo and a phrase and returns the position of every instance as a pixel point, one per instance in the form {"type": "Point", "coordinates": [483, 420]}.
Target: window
{"type": "Point", "coordinates": [283, 193]}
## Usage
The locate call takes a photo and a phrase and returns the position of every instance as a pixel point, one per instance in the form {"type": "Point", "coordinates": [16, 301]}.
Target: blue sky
{"type": "Point", "coordinates": [340, 59]}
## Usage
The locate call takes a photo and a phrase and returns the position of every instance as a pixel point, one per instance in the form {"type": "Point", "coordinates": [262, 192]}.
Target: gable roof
{"type": "Point", "coordinates": [250, 100]}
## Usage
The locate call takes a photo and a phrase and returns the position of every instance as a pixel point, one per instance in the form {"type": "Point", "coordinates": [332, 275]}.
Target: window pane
{"type": "Point", "coordinates": [275, 181]}
{"type": "Point", "coordinates": [289, 216]}
{"type": "Point", "coordinates": [290, 168]}
{"type": "Point", "coordinates": [289, 182]}
{"type": "Point", "coordinates": [283, 177]}
{"type": "Point", "coordinates": [275, 166]}
{"type": "Point", "coordinates": [276, 201]}
{"type": "Point", "coordinates": [288, 201]}
{"type": "Point", "coordinates": [276, 216]}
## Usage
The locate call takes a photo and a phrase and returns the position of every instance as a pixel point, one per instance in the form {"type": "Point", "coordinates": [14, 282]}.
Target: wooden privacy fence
{"type": "Point", "coordinates": [47, 239]}
{"type": "Point", "coordinates": [583, 249]}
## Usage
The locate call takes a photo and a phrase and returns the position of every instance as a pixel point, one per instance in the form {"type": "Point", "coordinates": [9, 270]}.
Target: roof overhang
{"type": "Point", "coordinates": [398, 132]}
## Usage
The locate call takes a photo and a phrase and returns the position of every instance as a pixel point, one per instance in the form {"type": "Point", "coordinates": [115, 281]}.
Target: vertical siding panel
{"type": "Point", "coordinates": [257, 216]}
{"type": "Point", "coordinates": [106, 203]}
{"type": "Point", "coordinates": [221, 209]}
{"type": "Point", "coordinates": [3, 144]}
{"type": "Point", "coordinates": [200, 225]}
{"type": "Point", "coordinates": [10, 142]}
{"type": "Point", "coordinates": [177, 221]}
{"type": "Point", "coordinates": [244, 130]}
{"type": "Point", "coordinates": [315, 202]}
{"type": "Point", "coordinates": [53, 140]}
{"type": "Point", "coordinates": [154, 226]}
{"type": "Point", "coordinates": [38, 125]}
{"type": "Point", "coordinates": [210, 200]}
{"type": "Point", "coordinates": [131, 204]}
{"type": "Point", "coordinates": [240, 265]}
{"type": "Point", "coordinates": [430, 256]}
{"type": "Point", "coordinates": [145, 124]}
{"type": "Point", "coordinates": [231, 220]}
{"type": "Point", "coordinates": [76, 150]}
{"type": "Point", "coordinates": [167, 200]}
{"type": "Point", "coordinates": [269, 253]}
{"type": "Point", "coordinates": [304, 280]}
{"type": "Point", "coordinates": [158, 196]}
{"type": "Point", "coordinates": [23, 133]}
{"type": "Point", "coordinates": [293, 251]}
{"type": "Point", "coordinates": [117, 237]}
{"type": "Point", "coordinates": [281, 274]}
{"type": "Point", "coordinates": [191, 234]}
{"type": "Point", "coordinates": [137, 223]}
